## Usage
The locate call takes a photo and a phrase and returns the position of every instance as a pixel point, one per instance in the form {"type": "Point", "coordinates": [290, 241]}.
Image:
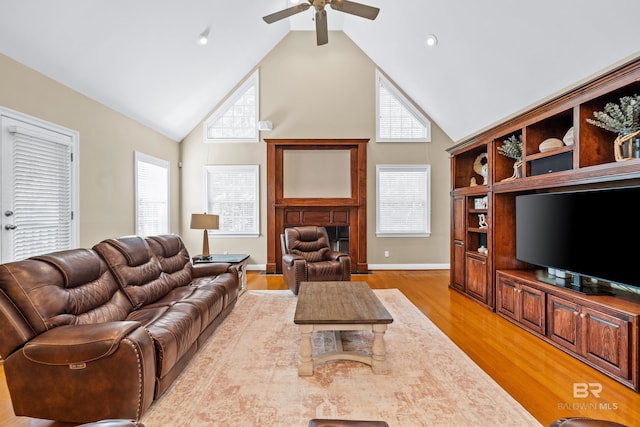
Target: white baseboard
{"type": "Point", "coordinates": [409, 266]}
{"type": "Point", "coordinates": [263, 267]}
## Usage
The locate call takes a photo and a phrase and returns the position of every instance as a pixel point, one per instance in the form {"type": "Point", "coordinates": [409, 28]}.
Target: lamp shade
{"type": "Point", "coordinates": [204, 222]}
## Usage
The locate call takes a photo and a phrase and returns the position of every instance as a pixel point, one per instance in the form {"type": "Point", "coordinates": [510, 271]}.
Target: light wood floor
{"type": "Point", "coordinates": [535, 373]}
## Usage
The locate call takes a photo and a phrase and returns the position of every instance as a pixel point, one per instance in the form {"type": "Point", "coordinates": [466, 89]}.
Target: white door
{"type": "Point", "coordinates": [37, 187]}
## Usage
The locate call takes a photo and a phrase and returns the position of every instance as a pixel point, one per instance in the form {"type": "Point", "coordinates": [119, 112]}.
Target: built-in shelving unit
{"type": "Point", "coordinates": [502, 283]}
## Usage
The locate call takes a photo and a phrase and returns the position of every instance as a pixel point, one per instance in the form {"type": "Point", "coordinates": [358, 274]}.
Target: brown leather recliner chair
{"type": "Point", "coordinates": [307, 257]}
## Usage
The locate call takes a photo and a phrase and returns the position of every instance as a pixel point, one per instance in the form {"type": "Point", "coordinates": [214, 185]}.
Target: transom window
{"type": "Point", "coordinates": [397, 119]}
{"type": "Point", "coordinates": [236, 120]}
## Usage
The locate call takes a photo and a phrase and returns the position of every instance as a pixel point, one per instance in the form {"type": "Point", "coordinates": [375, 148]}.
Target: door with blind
{"type": "Point", "coordinates": [38, 191]}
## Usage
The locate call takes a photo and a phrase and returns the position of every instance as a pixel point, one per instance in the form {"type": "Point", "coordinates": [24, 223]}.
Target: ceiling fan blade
{"type": "Point", "coordinates": [354, 8]}
{"type": "Point", "coordinates": [285, 13]}
{"type": "Point", "coordinates": [322, 34]}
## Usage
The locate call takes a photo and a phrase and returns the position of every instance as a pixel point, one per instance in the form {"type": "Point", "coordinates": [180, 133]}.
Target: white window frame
{"type": "Point", "coordinates": [227, 172]}
{"type": "Point", "coordinates": [381, 230]}
{"type": "Point", "coordinates": [164, 164]}
{"type": "Point", "coordinates": [252, 80]}
{"type": "Point", "coordinates": [382, 81]}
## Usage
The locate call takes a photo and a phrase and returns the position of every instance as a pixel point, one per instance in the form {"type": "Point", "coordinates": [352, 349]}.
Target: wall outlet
{"type": "Point", "coordinates": [386, 254]}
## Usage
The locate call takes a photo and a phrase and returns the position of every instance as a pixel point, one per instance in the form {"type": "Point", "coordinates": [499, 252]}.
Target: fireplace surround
{"type": "Point", "coordinates": [347, 212]}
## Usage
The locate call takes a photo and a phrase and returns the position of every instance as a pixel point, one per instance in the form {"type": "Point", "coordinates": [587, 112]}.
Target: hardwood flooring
{"type": "Point", "coordinates": [538, 375]}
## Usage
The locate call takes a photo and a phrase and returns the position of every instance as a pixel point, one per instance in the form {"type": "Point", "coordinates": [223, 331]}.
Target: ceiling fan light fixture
{"type": "Point", "coordinates": [203, 38]}
{"type": "Point", "coordinates": [431, 40]}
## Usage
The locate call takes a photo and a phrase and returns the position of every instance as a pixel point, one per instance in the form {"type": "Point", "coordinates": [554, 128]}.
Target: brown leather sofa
{"type": "Point", "coordinates": [307, 257]}
{"type": "Point", "coordinates": [100, 333]}
{"type": "Point", "coordinates": [319, 422]}
{"type": "Point", "coordinates": [584, 422]}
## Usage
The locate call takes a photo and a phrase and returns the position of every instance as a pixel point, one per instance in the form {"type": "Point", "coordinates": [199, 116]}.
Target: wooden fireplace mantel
{"type": "Point", "coordinates": [287, 212]}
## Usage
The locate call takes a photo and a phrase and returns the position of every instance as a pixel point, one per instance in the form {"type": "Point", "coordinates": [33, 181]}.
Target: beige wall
{"type": "Point", "coordinates": [321, 92]}
{"type": "Point", "coordinates": [306, 91]}
{"type": "Point", "coordinates": [107, 143]}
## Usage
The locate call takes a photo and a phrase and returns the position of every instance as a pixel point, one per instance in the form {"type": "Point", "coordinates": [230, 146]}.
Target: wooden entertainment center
{"type": "Point", "coordinates": [602, 331]}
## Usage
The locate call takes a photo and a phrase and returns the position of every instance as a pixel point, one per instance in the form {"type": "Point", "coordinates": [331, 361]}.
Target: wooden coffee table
{"type": "Point", "coordinates": [340, 306]}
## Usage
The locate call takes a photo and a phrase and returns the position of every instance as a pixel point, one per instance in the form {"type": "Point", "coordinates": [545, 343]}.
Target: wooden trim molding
{"type": "Point", "coordinates": [286, 212]}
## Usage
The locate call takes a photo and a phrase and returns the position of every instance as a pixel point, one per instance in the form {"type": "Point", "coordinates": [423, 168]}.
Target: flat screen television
{"type": "Point", "coordinates": [589, 234]}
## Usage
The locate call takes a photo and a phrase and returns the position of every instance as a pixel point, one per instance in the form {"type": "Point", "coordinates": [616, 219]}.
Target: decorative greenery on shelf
{"type": "Point", "coordinates": [623, 118]}
{"type": "Point", "coordinates": [512, 147]}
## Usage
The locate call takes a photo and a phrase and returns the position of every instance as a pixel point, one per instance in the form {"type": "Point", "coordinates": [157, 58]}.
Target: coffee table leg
{"type": "Point", "coordinates": [305, 362]}
{"type": "Point", "coordinates": [379, 358]}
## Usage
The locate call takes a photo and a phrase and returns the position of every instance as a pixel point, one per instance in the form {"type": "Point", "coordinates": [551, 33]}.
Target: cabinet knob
{"type": "Point", "coordinates": [582, 315]}
{"type": "Point", "coordinates": [575, 313]}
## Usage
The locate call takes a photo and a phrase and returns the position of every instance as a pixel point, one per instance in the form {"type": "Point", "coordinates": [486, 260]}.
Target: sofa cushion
{"type": "Point", "coordinates": [77, 267]}
{"type": "Point", "coordinates": [173, 256]}
{"type": "Point", "coordinates": [174, 329]}
{"type": "Point", "coordinates": [138, 271]}
{"type": "Point", "coordinates": [56, 289]}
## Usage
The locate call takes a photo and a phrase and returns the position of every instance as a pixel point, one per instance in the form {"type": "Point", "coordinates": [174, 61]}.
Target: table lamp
{"type": "Point", "coordinates": [204, 222]}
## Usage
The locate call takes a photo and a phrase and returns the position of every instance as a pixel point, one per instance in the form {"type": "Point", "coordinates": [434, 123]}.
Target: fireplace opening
{"type": "Point", "coordinates": [339, 238]}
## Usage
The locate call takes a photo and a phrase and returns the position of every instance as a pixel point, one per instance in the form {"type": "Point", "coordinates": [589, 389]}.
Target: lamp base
{"type": "Point", "coordinates": [205, 245]}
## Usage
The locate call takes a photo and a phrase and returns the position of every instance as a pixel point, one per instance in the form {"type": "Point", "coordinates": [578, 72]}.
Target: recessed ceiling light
{"type": "Point", "coordinates": [431, 40]}
{"type": "Point", "coordinates": [203, 38]}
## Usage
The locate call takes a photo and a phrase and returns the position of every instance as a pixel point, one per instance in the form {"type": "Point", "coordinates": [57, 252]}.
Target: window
{"type": "Point", "coordinates": [403, 205]}
{"type": "Point", "coordinates": [237, 119]}
{"type": "Point", "coordinates": [232, 193]}
{"type": "Point", "coordinates": [152, 195]}
{"type": "Point", "coordinates": [397, 119]}
{"type": "Point", "coordinates": [38, 187]}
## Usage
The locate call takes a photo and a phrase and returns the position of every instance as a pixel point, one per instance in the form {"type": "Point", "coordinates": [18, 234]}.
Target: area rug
{"type": "Point", "coordinates": [246, 375]}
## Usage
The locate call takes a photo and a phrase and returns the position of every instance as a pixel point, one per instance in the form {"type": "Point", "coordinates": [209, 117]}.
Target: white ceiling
{"type": "Point", "coordinates": [494, 57]}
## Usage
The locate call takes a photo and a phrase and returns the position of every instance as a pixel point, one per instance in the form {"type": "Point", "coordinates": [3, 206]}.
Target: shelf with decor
{"type": "Point", "coordinates": [471, 225]}
{"type": "Point", "coordinates": [585, 139]}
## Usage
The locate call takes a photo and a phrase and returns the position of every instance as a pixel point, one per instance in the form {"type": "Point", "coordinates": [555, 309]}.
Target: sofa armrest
{"type": "Point", "coordinates": [71, 390]}
{"type": "Point", "coordinates": [336, 256]}
{"type": "Point", "coordinates": [77, 344]}
{"type": "Point", "coordinates": [289, 259]}
{"type": "Point", "coordinates": [210, 269]}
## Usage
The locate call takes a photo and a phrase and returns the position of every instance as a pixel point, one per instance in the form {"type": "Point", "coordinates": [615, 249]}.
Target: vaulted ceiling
{"type": "Point", "coordinates": [493, 58]}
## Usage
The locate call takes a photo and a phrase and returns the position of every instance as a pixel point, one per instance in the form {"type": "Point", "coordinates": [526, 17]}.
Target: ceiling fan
{"type": "Point", "coordinates": [345, 6]}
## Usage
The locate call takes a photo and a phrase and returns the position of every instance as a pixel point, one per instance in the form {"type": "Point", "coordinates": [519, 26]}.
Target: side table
{"type": "Point", "coordinates": [240, 261]}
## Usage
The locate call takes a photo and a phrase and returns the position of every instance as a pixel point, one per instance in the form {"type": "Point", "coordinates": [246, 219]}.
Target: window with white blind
{"type": "Point", "coordinates": [237, 119]}
{"type": "Point", "coordinates": [152, 195]}
{"type": "Point", "coordinates": [232, 193]}
{"type": "Point", "coordinates": [397, 119]}
{"type": "Point", "coordinates": [39, 187]}
{"type": "Point", "coordinates": [403, 206]}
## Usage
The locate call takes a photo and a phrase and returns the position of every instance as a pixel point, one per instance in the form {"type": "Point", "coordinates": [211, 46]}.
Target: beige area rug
{"type": "Point", "coordinates": [246, 375]}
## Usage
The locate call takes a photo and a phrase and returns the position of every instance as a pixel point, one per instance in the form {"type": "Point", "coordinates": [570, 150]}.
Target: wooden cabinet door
{"type": "Point", "coordinates": [476, 283]}
{"type": "Point", "coordinates": [605, 341]}
{"type": "Point", "coordinates": [532, 308]}
{"type": "Point", "coordinates": [563, 322]}
{"type": "Point", "coordinates": [507, 298]}
{"type": "Point", "coordinates": [457, 272]}
{"type": "Point", "coordinates": [458, 218]}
